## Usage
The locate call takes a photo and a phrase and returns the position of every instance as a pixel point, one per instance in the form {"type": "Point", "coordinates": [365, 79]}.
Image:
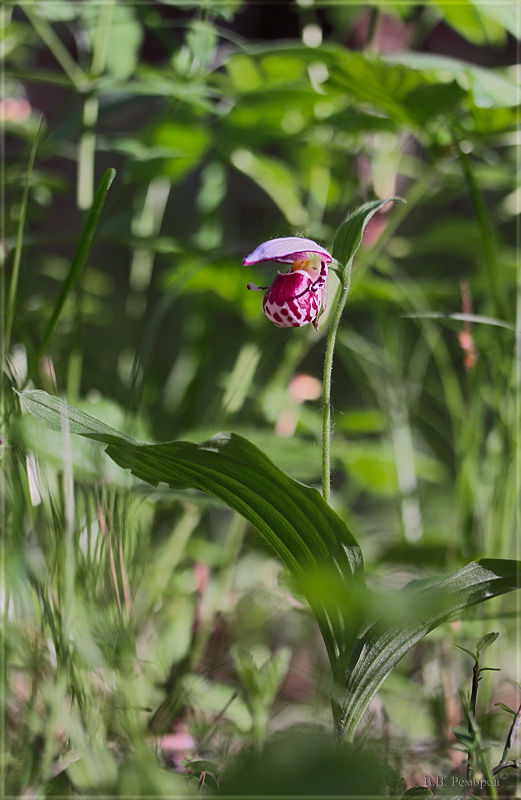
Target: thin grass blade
{"type": "Point", "coordinates": [78, 262]}
{"type": "Point", "coordinates": [13, 286]}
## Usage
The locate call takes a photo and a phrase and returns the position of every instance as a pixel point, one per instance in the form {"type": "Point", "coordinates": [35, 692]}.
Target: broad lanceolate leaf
{"type": "Point", "coordinates": [486, 641]}
{"type": "Point", "coordinates": [382, 645]}
{"type": "Point", "coordinates": [308, 537]}
{"type": "Point", "coordinates": [303, 530]}
{"type": "Point", "coordinates": [349, 235]}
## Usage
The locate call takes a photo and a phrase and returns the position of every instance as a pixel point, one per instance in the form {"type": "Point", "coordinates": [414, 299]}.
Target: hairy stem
{"type": "Point", "coordinates": [345, 277]}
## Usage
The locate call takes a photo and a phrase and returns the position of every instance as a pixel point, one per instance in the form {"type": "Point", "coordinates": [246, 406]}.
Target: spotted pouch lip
{"type": "Point", "coordinates": [290, 301]}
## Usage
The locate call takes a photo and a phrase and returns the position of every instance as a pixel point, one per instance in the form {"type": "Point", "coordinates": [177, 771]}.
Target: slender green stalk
{"type": "Point", "coordinates": [57, 48]}
{"type": "Point", "coordinates": [485, 229]}
{"type": "Point", "coordinates": [78, 262]}
{"type": "Point", "coordinates": [85, 183]}
{"type": "Point", "coordinates": [86, 154]}
{"type": "Point", "coordinates": [472, 719]}
{"type": "Point", "coordinates": [100, 46]}
{"type": "Point", "coordinates": [348, 239]}
{"type": "Point", "coordinates": [345, 277]}
{"type": "Point", "coordinates": [11, 300]}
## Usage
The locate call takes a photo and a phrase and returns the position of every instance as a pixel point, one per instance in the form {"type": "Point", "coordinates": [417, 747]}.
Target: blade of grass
{"type": "Point", "coordinates": [11, 300]}
{"type": "Point", "coordinates": [78, 262]}
{"type": "Point", "coordinates": [487, 236]}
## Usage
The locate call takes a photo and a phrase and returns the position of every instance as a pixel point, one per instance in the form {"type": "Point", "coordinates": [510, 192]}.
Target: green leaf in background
{"type": "Point", "coordinates": [473, 22]}
{"type": "Point", "coordinates": [417, 793]}
{"type": "Point", "coordinates": [277, 181]}
{"type": "Point", "coordinates": [382, 645]}
{"type": "Point", "coordinates": [349, 235]}
{"type": "Point", "coordinates": [187, 145]}
{"type": "Point", "coordinates": [486, 641]}
{"type": "Point", "coordinates": [261, 684]}
{"type": "Point", "coordinates": [244, 73]}
{"type": "Point", "coordinates": [124, 37]}
{"type": "Point", "coordinates": [488, 88]}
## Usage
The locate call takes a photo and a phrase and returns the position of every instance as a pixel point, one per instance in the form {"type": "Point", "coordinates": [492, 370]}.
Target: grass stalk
{"type": "Point", "coordinates": [13, 286]}
{"type": "Point", "coordinates": [485, 229]}
{"type": "Point", "coordinates": [78, 262]}
{"type": "Point", "coordinates": [86, 154]}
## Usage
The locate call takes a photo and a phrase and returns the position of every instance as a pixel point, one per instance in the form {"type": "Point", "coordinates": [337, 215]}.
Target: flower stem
{"type": "Point", "coordinates": [345, 278]}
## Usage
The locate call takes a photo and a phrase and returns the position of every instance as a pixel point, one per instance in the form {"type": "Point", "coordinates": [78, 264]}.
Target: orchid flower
{"type": "Point", "coordinates": [298, 296]}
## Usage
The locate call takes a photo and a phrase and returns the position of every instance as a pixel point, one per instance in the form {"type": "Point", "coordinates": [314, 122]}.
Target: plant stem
{"type": "Point", "coordinates": [44, 30]}
{"type": "Point", "coordinates": [472, 717]}
{"type": "Point", "coordinates": [345, 277]}
{"type": "Point", "coordinates": [485, 228]}
{"type": "Point", "coordinates": [77, 264]}
{"type": "Point", "coordinates": [11, 302]}
{"type": "Point", "coordinates": [511, 736]}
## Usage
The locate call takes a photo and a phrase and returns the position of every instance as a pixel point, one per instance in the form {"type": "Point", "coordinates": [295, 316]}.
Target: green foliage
{"type": "Point", "coordinates": [307, 536]}
{"type": "Point", "coordinates": [124, 600]}
{"type": "Point", "coordinates": [260, 684]}
{"type": "Point", "coordinates": [380, 647]}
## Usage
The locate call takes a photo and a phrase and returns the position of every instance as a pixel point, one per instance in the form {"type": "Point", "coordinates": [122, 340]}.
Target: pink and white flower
{"type": "Point", "coordinates": [298, 296]}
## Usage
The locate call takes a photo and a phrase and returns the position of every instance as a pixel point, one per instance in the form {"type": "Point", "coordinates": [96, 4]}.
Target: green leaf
{"type": "Point", "coordinates": [506, 14]}
{"type": "Point", "coordinates": [309, 538]}
{"type": "Point", "coordinates": [431, 99]}
{"type": "Point", "coordinates": [184, 145]}
{"type": "Point", "coordinates": [506, 708]}
{"type": "Point", "coordinates": [294, 519]}
{"type": "Point", "coordinates": [381, 645]}
{"type": "Point", "coordinates": [277, 181]}
{"type": "Point", "coordinates": [349, 235]}
{"type": "Point", "coordinates": [471, 23]}
{"type": "Point", "coordinates": [486, 641]}
{"type": "Point", "coordinates": [125, 39]}
{"type": "Point", "coordinates": [261, 682]}
{"type": "Point", "coordinates": [466, 738]}
{"type": "Point", "coordinates": [468, 652]}
{"type": "Point", "coordinates": [78, 262]}
{"type": "Point", "coordinates": [417, 793]}
{"type": "Point", "coordinates": [244, 73]}
{"type": "Point", "coordinates": [488, 88]}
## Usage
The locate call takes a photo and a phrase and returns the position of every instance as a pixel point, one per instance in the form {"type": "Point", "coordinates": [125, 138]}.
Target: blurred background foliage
{"type": "Point", "coordinates": [140, 623]}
